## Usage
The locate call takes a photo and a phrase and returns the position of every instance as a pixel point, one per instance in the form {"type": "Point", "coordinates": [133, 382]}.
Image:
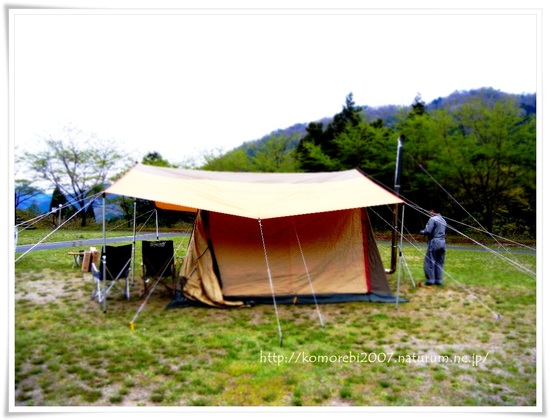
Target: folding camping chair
{"type": "Point", "coordinates": [114, 268]}
{"type": "Point", "coordinates": [158, 266]}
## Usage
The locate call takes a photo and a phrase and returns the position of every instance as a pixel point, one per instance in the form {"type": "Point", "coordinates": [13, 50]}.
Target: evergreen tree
{"type": "Point", "coordinates": [59, 200]}
{"type": "Point", "coordinates": [418, 108]}
{"type": "Point", "coordinates": [156, 159]}
{"type": "Point", "coordinates": [317, 150]}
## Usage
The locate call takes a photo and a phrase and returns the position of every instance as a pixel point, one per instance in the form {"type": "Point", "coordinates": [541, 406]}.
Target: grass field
{"type": "Point", "coordinates": [445, 347]}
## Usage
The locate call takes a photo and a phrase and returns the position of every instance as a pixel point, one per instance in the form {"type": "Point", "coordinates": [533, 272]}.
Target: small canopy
{"type": "Point", "coordinates": [251, 195]}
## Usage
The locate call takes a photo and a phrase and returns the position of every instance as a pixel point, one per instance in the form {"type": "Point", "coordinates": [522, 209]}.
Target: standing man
{"type": "Point", "coordinates": [435, 254]}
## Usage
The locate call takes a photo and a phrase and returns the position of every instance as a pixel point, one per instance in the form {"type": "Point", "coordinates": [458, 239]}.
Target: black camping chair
{"type": "Point", "coordinates": [114, 268]}
{"type": "Point", "coordinates": [158, 266]}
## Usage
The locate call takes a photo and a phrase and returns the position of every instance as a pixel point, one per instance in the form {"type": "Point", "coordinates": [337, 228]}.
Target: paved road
{"type": "Point", "coordinates": [149, 236]}
{"type": "Point", "coordinates": [514, 250]}
{"type": "Point", "coordinates": [89, 242]}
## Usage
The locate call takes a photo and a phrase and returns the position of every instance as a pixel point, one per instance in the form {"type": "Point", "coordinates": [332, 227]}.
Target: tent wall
{"type": "Point", "coordinates": [332, 244]}
{"type": "Point", "coordinates": [378, 278]}
{"type": "Point", "coordinates": [226, 256]}
{"type": "Point", "coordinates": [201, 280]}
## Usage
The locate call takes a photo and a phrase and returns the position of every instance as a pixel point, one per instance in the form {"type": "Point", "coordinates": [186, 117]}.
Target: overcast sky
{"type": "Point", "coordinates": [180, 82]}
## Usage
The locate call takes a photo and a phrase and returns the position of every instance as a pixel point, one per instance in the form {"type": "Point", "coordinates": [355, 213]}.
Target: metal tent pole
{"type": "Point", "coordinates": [104, 257]}
{"type": "Point", "coordinates": [157, 222]}
{"type": "Point", "coordinates": [396, 206]}
{"type": "Point", "coordinates": [400, 270]}
{"type": "Point", "coordinates": [133, 255]}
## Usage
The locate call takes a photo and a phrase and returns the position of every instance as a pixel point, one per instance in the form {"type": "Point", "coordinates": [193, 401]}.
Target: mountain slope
{"type": "Point", "coordinates": [388, 113]}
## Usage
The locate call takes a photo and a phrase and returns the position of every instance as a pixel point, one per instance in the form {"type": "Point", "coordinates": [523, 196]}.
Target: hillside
{"type": "Point", "coordinates": [388, 113]}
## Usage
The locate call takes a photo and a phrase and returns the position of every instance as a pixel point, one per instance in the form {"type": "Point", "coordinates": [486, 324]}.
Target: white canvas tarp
{"type": "Point", "coordinates": [252, 195]}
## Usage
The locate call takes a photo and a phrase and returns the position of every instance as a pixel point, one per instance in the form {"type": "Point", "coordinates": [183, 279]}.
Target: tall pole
{"type": "Point", "coordinates": [157, 222]}
{"type": "Point", "coordinates": [396, 185]}
{"type": "Point", "coordinates": [133, 251]}
{"type": "Point", "coordinates": [104, 258]}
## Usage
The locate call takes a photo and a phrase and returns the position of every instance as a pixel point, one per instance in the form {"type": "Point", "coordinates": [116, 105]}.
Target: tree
{"type": "Point", "coordinates": [58, 203]}
{"type": "Point", "coordinates": [369, 147]}
{"type": "Point", "coordinates": [25, 191]}
{"type": "Point", "coordinates": [23, 188]}
{"type": "Point", "coordinates": [156, 159]}
{"type": "Point", "coordinates": [487, 156]}
{"type": "Point", "coordinates": [317, 150]}
{"type": "Point", "coordinates": [418, 108]}
{"type": "Point", "coordinates": [33, 209]}
{"type": "Point", "coordinates": [275, 155]}
{"type": "Point", "coordinates": [235, 160]}
{"type": "Point", "coordinates": [349, 141]}
{"type": "Point", "coordinates": [483, 153]}
{"type": "Point", "coordinates": [78, 164]}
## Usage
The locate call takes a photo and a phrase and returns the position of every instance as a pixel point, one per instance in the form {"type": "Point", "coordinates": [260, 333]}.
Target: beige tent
{"type": "Point", "coordinates": [275, 236]}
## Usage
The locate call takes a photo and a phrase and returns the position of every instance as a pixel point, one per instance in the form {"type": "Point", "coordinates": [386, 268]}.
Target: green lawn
{"type": "Point", "coordinates": [444, 347]}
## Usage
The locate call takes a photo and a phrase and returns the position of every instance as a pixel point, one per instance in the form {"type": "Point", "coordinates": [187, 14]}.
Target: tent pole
{"type": "Point", "coordinates": [396, 206]}
{"type": "Point", "coordinates": [104, 258]}
{"type": "Point", "coordinates": [271, 284]}
{"type": "Point", "coordinates": [400, 269]}
{"type": "Point", "coordinates": [133, 251]}
{"type": "Point", "coordinates": [401, 252]}
{"type": "Point", "coordinates": [157, 222]}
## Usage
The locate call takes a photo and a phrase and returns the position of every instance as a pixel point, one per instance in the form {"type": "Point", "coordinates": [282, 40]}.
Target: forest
{"type": "Point", "coordinates": [471, 156]}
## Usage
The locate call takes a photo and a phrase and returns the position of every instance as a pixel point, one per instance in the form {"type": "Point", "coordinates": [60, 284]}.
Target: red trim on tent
{"type": "Point", "coordinates": [365, 248]}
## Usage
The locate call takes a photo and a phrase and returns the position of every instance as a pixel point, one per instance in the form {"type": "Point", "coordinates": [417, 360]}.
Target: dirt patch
{"type": "Point", "coordinates": [50, 289]}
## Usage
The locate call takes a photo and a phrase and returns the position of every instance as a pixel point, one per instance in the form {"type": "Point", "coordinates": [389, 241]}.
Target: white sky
{"type": "Point", "coordinates": [181, 82]}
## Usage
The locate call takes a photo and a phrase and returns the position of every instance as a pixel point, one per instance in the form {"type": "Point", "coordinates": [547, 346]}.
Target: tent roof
{"type": "Point", "coordinates": [253, 195]}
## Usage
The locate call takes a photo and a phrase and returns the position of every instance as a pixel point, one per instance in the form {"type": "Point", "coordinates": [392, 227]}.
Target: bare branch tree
{"type": "Point", "coordinates": [77, 163]}
{"type": "Point", "coordinates": [25, 192]}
